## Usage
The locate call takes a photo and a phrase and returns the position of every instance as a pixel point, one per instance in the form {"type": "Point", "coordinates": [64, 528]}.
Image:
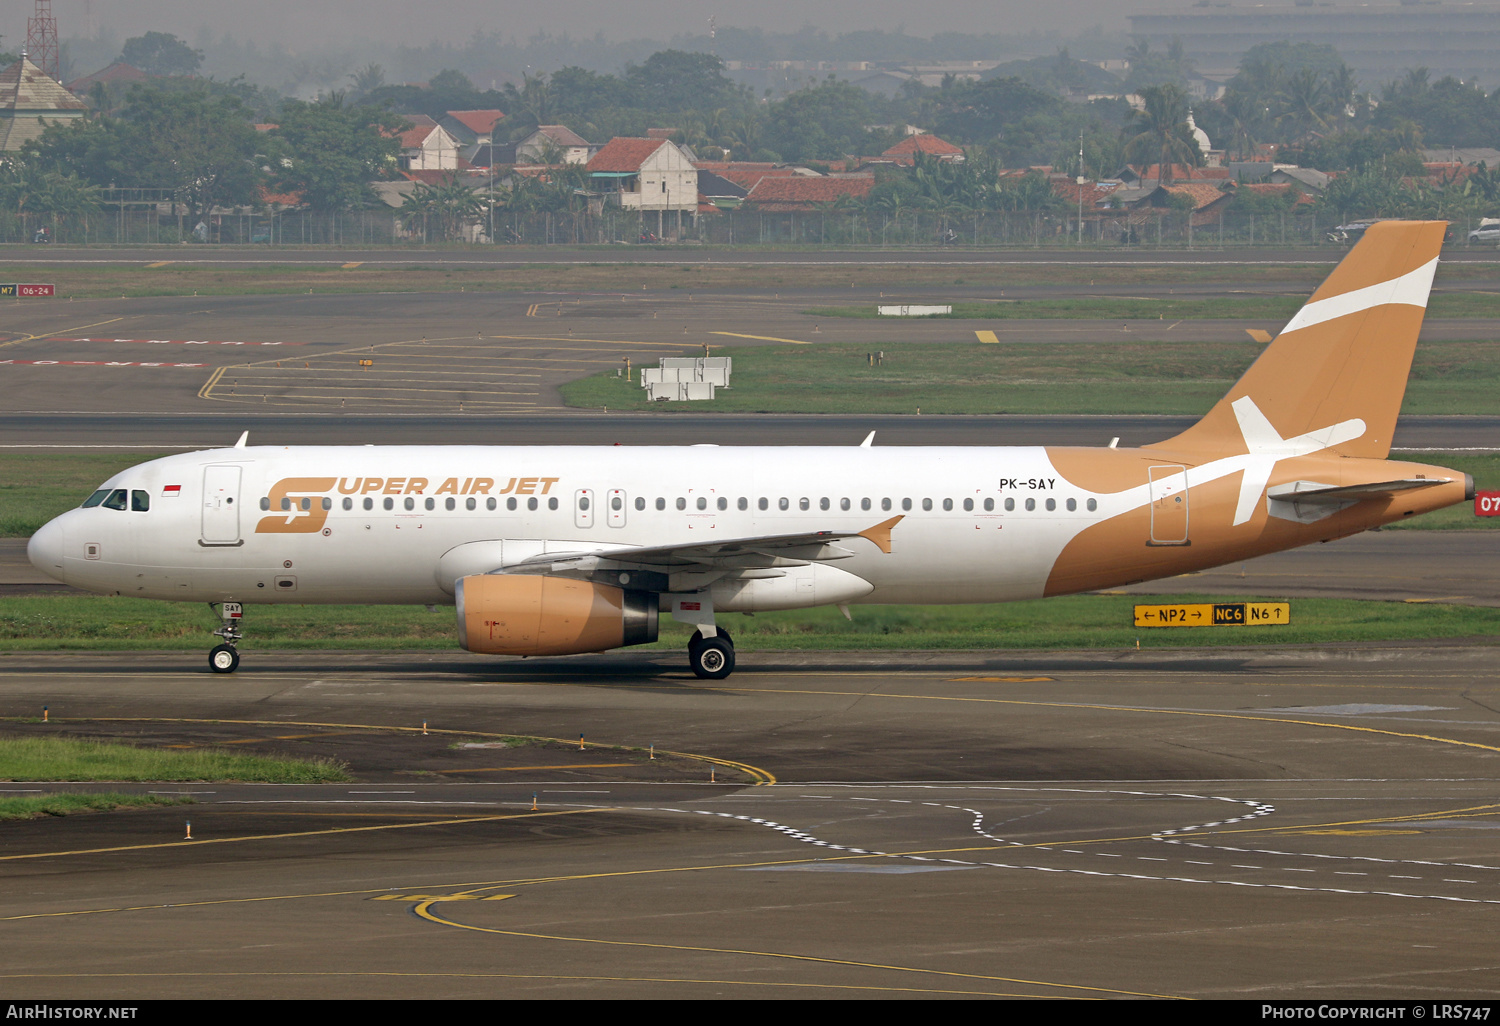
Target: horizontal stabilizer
{"type": "Point", "coordinates": [1311, 492]}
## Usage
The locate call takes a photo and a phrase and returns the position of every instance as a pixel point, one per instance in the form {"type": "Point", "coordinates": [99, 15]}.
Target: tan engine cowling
{"type": "Point", "coordinates": [524, 614]}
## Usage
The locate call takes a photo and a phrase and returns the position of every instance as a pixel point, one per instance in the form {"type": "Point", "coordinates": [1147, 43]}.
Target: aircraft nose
{"type": "Point", "coordinates": [46, 547]}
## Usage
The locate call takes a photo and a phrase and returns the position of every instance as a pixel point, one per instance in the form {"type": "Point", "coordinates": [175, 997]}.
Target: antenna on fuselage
{"type": "Point", "coordinates": [244, 437]}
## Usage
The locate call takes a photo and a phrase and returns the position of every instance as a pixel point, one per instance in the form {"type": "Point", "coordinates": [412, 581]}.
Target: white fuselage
{"type": "Point", "coordinates": [207, 535]}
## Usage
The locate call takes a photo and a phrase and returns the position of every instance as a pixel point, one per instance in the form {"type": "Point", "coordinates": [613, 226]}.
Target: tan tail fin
{"type": "Point", "coordinates": [1337, 372]}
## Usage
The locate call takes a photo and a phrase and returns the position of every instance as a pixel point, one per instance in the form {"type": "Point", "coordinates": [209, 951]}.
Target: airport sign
{"type": "Point", "coordinates": [19, 290]}
{"type": "Point", "coordinates": [1214, 614]}
{"type": "Point", "coordinates": [1487, 504]}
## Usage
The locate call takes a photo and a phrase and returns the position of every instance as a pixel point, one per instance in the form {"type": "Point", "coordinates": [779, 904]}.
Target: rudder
{"type": "Point", "coordinates": [1343, 359]}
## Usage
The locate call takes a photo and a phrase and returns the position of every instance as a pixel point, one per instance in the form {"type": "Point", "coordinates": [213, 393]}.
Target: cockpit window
{"type": "Point", "coordinates": [140, 501]}
{"type": "Point", "coordinates": [115, 499]}
{"type": "Point", "coordinates": [95, 499]}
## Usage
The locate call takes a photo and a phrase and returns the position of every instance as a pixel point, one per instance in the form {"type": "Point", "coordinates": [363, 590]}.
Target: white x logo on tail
{"type": "Point", "coordinates": [1266, 448]}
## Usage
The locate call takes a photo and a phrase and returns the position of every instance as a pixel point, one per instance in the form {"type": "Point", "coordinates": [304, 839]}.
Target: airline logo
{"type": "Point", "coordinates": [302, 498]}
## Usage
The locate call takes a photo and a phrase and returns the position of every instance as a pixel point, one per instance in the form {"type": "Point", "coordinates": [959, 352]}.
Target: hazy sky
{"type": "Point", "coordinates": [293, 21]}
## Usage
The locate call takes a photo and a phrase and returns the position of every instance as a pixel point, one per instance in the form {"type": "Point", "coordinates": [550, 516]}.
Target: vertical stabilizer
{"type": "Point", "coordinates": [1339, 367]}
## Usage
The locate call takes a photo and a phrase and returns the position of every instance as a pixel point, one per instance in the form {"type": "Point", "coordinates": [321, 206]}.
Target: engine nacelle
{"type": "Point", "coordinates": [526, 614]}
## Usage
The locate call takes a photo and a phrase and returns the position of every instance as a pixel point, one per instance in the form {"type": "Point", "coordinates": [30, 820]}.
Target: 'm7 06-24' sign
{"type": "Point", "coordinates": [8, 289]}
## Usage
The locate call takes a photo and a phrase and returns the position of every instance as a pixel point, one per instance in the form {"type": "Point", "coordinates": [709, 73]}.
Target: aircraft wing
{"type": "Point", "coordinates": [722, 557]}
{"type": "Point", "coordinates": [1319, 494]}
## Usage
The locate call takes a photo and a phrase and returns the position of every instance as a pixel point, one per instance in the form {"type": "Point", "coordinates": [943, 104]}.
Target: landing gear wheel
{"type": "Point", "coordinates": [698, 639]}
{"type": "Point", "coordinates": [712, 658]}
{"type": "Point", "coordinates": [224, 659]}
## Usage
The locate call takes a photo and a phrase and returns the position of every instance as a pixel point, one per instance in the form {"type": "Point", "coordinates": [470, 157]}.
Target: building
{"type": "Point", "coordinates": [801, 194]}
{"type": "Point", "coordinates": [905, 151]}
{"type": "Point", "coordinates": [1379, 41]}
{"type": "Point", "coordinates": [29, 102]}
{"type": "Point", "coordinates": [472, 128]}
{"type": "Point", "coordinates": [648, 175]}
{"type": "Point", "coordinates": [427, 146]}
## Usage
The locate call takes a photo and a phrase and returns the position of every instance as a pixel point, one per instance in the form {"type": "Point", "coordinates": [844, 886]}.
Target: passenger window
{"type": "Point", "coordinates": [450, 504]}
{"type": "Point", "coordinates": [926, 504]}
{"type": "Point", "coordinates": [327, 503]}
{"type": "Point", "coordinates": [583, 502]}
{"type": "Point", "coordinates": [784, 503]}
{"type": "Point", "coordinates": [1092, 505]}
{"type": "Point", "coordinates": [532, 504]}
{"type": "Point", "coordinates": [864, 504]}
{"type": "Point", "coordinates": [306, 502]}
{"type": "Point", "coordinates": [661, 503]}
{"type": "Point", "coordinates": [389, 504]}
{"type": "Point", "coordinates": [430, 504]}
{"type": "Point", "coordinates": [410, 503]}
{"type": "Point", "coordinates": [681, 503]}
{"type": "Point", "coordinates": [469, 503]}
{"type": "Point", "coordinates": [140, 501]}
{"type": "Point", "coordinates": [1010, 505]}
{"type": "Point", "coordinates": [1072, 505]}
{"type": "Point", "coordinates": [947, 504]}
{"type": "Point", "coordinates": [99, 496]}
{"type": "Point", "coordinates": [804, 504]}
{"type": "Point", "coordinates": [492, 502]}
{"type": "Point", "coordinates": [723, 502]}
{"type": "Point", "coordinates": [823, 503]}
{"type": "Point", "coordinates": [552, 503]}
{"type": "Point", "coordinates": [616, 503]}
{"type": "Point", "coordinates": [989, 505]}
{"type": "Point", "coordinates": [763, 504]}
{"type": "Point", "coordinates": [906, 505]}
{"type": "Point", "coordinates": [1051, 505]}
{"type": "Point", "coordinates": [286, 504]}
{"type": "Point", "coordinates": [640, 503]}
{"type": "Point", "coordinates": [968, 505]}
{"type": "Point", "coordinates": [369, 503]}
{"type": "Point", "coordinates": [510, 504]}
{"type": "Point", "coordinates": [744, 503]}
{"type": "Point", "coordinates": [885, 504]}
{"type": "Point", "coordinates": [702, 502]}
{"type": "Point", "coordinates": [844, 504]}
{"type": "Point", "coordinates": [265, 503]}
{"type": "Point", "coordinates": [1030, 505]}
{"type": "Point", "coordinates": [348, 504]}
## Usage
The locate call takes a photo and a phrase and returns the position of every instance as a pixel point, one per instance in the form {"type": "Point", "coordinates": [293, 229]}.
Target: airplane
{"type": "Point", "coordinates": [554, 550]}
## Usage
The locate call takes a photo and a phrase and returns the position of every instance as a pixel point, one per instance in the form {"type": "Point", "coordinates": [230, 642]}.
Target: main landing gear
{"type": "Point", "coordinates": [225, 658]}
{"type": "Point", "coordinates": [711, 658]}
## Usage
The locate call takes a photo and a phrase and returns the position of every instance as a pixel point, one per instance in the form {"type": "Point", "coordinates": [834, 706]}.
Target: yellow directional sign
{"type": "Point", "coordinates": [1214, 614]}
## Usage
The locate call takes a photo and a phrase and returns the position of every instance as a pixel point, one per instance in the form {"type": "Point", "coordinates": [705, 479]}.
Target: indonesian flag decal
{"type": "Point", "coordinates": [171, 491]}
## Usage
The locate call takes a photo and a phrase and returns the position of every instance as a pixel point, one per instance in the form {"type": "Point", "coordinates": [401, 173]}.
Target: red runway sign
{"type": "Point", "coordinates": [1487, 504]}
{"type": "Point", "coordinates": [35, 290]}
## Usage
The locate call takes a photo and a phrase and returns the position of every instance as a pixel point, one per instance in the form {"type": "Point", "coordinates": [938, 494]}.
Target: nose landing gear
{"type": "Point", "coordinates": [225, 658]}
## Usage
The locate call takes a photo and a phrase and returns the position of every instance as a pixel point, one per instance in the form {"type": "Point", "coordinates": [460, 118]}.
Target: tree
{"type": "Point", "coordinates": [366, 80]}
{"type": "Point", "coordinates": [446, 209]}
{"type": "Point", "coordinates": [161, 53]}
{"type": "Point", "coordinates": [1159, 133]}
{"type": "Point", "coordinates": [198, 143]}
{"type": "Point", "coordinates": [674, 80]}
{"type": "Point", "coordinates": [332, 151]}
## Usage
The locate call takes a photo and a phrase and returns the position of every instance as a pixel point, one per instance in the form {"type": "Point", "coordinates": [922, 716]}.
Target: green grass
{"type": "Point", "coordinates": [35, 488]}
{"type": "Point", "coordinates": [1080, 621]}
{"type": "Point", "coordinates": [39, 805]}
{"type": "Point", "coordinates": [57, 758]}
{"type": "Point", "coordinates": [1126, 308]}
{"type": "Point", "coordinates": [1126, 377]}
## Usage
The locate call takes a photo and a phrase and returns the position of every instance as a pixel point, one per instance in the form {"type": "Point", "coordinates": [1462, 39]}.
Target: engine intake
{"type": "Point", "coordinates": [525, 614]}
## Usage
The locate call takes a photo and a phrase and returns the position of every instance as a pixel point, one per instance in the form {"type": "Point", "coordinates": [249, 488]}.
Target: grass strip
{"type": "Point", "coordinates": [60, 758]}
{"type": "Point", "coordinates": [39, 805]}
{"type": "Point", "coordinates": [1125, 377]}
{"type": "Point", "coordinates": [1127, 308]}
{"type": "Point", "coordinates": [130, 278]}
{"type": "Point", "coordinates": [1100, 621]}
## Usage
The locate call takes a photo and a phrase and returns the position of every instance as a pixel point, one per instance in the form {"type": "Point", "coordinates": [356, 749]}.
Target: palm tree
{"type": "Point", "coordinates": [1160, 131]}
{"type": "Point", "coordinates": [1305, 102]}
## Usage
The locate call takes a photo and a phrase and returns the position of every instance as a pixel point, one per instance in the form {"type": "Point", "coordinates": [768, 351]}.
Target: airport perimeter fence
{"type": "Point", "coordinates": [914, 229]}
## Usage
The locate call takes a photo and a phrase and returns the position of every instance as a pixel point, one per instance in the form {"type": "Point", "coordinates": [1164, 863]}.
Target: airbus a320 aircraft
{"type": "Point", "coordinates": [557, 550]}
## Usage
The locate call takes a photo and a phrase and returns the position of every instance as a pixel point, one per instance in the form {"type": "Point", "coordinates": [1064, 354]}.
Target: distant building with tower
{"type": "Point", "coordinates": [30, 101]}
